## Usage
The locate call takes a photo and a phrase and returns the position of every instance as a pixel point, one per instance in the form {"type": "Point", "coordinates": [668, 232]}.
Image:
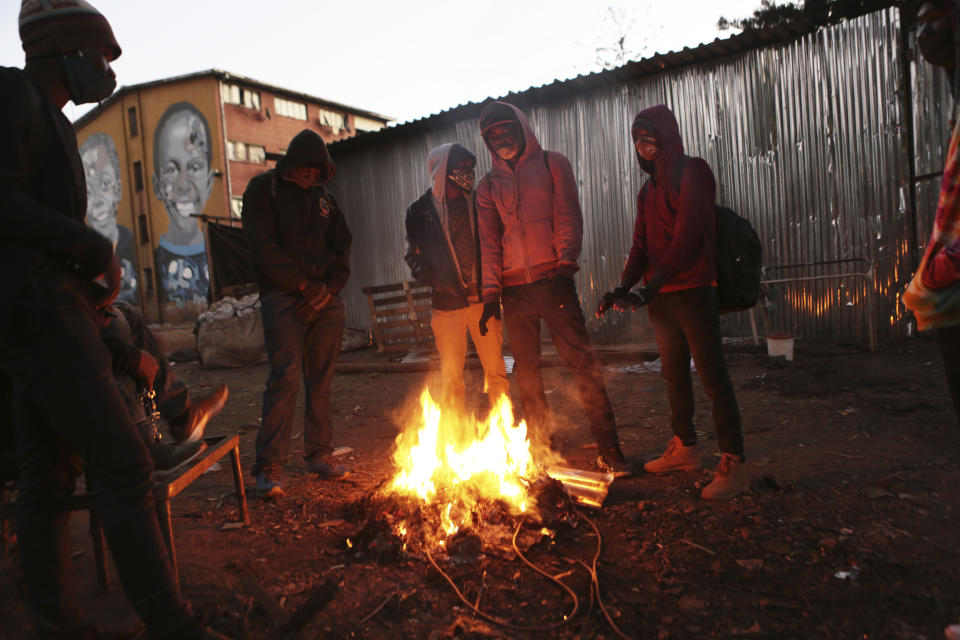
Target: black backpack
{"type": "Point", "coordinates": [738, 255]}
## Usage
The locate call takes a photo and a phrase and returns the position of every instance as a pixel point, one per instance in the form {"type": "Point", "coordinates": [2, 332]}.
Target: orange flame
{"type": "Point", "coordinates": [454, 463]}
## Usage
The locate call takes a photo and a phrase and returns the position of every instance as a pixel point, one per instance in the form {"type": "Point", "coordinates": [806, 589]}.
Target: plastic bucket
{"type": "Point", "coordinates": [780, 344]}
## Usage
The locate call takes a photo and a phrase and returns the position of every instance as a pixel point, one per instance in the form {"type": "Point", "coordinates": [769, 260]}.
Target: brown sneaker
{"type": "Point", "coordinates": [190, 427]}
{"type": "Point", "coordinates": [676, 458]}
{"type": "Point", "coordinates": [729, 480]}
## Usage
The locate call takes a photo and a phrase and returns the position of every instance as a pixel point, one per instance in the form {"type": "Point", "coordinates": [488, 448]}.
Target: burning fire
{"type": "Point", "coordinates": [455, 463]}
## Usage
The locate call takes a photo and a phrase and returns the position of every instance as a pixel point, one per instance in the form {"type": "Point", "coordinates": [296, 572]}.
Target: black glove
{"type": "Point", "coordinates": [420, 270]}
{"type": "Point", "coordinates": [490, 310]}
{"type": "Point", "coordinates": [560, 288]}
{"type": "Point", "coordinates": [316, 294]}
{"type": "Point", "coordinates": [609, 298]}
{"type": "Point", "coordinates": [633, 301]}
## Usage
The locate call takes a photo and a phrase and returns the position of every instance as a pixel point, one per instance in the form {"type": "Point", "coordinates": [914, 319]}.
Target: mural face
{"type": "Point", "coordinates": [101, 168]}
{"type": "Point", "coordinates": [182, 181]}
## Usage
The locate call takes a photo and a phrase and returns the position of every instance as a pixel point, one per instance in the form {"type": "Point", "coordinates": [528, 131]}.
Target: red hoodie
{"type": "Point", "coordinates": [674, 238]}
{"type": "Point", "coordinates": [529, 217]}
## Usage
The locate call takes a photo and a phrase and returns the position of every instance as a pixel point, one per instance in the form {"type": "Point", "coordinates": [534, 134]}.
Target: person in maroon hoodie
{"type": "Point", "coordinates": [674, 244]}
{"type": "Point", "coordinates": [531, 230]}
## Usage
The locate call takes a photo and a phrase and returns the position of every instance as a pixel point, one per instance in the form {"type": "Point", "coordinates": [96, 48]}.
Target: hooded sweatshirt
{"type": "Point", "coordinates": [674, 235]}
{"type": "Point", "coordinates": [431, 253]}
{"type": "Point", "coordinates": [296, 234]}
{"type": "Point", "coordinates": [934, 292]}
{"type": "Point", "coordinates": [531, 227]}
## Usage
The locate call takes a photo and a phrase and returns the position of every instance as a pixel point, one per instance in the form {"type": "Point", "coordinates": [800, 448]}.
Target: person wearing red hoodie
{"type": "Point", "coordinates": [933, 293]}
{"type": "Point", "coordinates": [531, 230]}
{"type": "Point", "coordinates": [674, 244]}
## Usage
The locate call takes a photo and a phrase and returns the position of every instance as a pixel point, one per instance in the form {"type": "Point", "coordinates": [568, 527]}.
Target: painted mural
{"type": "Point", "coordinates": [101, 169]}
{"type": "Point", "coordinates": [182, 181]}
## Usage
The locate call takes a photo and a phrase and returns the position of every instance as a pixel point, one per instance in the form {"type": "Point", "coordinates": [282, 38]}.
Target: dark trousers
{"type": "Point", "coordinates": [173, 396]}
{"type": "Point", "coordinates": [686, 322]}
{"type": "Point", "coordinates": [523, 308]}
{"type": "Point", "coordinates": [300, 341]}
{"type": "Point", "coordinates": [949, 339]}
{"type": "Point", "coordinates": [66, 403]}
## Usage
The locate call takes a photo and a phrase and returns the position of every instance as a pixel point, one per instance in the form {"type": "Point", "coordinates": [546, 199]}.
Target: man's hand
{"type": "Point", "coordinates": [490, 310]}
{"type": "Point", "coordinates": [147, 370]}
{"type": "Point", "coordinates": [633, 301]}
{"type": "Point", "coordinates": [609, 298]}
{"type": "Point", "coordinates": [316, 294]}
{"type": "Point", "coordinates": [111, 279]}
{"type": "Point", "coordinates": [560, 288]}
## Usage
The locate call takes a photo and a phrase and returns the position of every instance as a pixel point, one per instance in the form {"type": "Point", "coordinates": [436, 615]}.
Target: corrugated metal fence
{"type": "Point", "coordinates": [809, 139]}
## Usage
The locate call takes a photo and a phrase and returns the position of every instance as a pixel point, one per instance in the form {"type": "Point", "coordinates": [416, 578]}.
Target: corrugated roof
{"type": "Point", "coordinates": [737, 43]}
{"type": "Point", "coordinates": [225, 76]}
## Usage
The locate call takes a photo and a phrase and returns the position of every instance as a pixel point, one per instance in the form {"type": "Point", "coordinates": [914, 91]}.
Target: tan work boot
{"type": "Point", "coordinates": [676, 458]}
{"type": "Point", "coordinates": [729, 480]}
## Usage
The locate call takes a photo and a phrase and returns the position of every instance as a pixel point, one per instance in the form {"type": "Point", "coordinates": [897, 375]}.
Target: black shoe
{"type": "Point", "coordinates": [167, 458]}
{"type": "Point", "coordinates": [190, 427]}
{"type": "Point", "coordinates": [611, 461]}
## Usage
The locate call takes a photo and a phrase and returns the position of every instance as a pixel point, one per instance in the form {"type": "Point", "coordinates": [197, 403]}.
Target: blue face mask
{"type": "Point", "coordinates": [85, 82]}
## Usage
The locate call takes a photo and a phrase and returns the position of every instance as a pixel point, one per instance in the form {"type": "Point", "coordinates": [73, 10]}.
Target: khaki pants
{"type": "Point", "coordinates": [450, 332]}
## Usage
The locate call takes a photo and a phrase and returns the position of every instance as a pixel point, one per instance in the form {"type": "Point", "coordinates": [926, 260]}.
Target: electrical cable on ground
{"type": "Point", "coordinates": [503, 623]}
{"type": "Point", "coordinates": [595, 582]}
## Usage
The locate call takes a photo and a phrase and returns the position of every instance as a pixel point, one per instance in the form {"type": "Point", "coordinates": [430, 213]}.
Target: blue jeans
{"type": "Point", "coordinates": [686, 322]}
{"type": "Point", "coordinates": [66, 404]}
{"type": "Point", "coordinates": [300, 341]}
{"type": "Point", "coordinates": [523, 308]}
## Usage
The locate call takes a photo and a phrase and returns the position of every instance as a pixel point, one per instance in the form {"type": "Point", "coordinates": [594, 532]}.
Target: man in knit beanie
{"type": "Point", "coordinates": [65, 401]}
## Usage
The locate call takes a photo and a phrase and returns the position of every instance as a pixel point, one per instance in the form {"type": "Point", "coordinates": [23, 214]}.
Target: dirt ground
{"type": "Point", "coordinates": [850, 530]}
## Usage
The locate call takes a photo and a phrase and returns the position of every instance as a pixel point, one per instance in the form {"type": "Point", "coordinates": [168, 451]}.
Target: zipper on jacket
{"type": "Point", "coordinates": [523, 235]}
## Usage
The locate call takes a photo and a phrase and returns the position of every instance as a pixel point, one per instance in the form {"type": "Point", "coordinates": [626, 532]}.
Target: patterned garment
{"type": "Point", "coordinates": [461, 236]}
{"type": "Point", "coordinates": [940, 306]}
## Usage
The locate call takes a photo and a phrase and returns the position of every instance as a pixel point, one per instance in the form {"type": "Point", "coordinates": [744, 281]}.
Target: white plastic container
{"type": "Point", "coordinates": [780, 344]}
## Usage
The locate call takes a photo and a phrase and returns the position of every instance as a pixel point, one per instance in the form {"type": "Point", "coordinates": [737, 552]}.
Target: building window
{"type": "Point", "coordinates": [243, 152]}
{"type": "Point", "coordinates": [290, 109]}
{"type": "Point", "coordinates": [236, 206]}
{"type": "Point", "coordinates": [366, 124]}
{"type": "Point", "coordinates": [236, 151]}
{"type": "Point", "coordinates": [235, 94]}
{"type": "Point", "coordinates": [138, 176]}
{"type": "Point", "coordinates": [336, 121]}
{"type": "Point", "coordinates": [256, 154]}
{"type": "Point", "coordinates": [144, 233]}
{"type": "Point", "coordinates": [132, 121]}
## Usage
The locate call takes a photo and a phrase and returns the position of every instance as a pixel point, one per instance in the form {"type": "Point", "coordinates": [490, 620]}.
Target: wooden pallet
{"type": "Point", "coordinates": [400, 316]}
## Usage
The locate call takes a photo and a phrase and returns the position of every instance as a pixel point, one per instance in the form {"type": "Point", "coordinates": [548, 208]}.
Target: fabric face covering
{"type": "Point", "coordinates": [463, 177]}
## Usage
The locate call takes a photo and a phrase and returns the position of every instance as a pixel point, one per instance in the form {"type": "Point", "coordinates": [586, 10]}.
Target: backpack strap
{"type": "Point", "coordinates": [676, 178]}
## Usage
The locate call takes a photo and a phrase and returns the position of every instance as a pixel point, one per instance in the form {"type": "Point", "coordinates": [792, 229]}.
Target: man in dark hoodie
{"type": "Point", "coordinates": [673, 250]}
{"type": "Point", "coordinates": [444, 253]}
{"type": "Point", "coordinates": [65, 399]}
{"type": "Point", "coordinates": [531, 230]}
{"type": "Point", "coordinates": [300, 245]}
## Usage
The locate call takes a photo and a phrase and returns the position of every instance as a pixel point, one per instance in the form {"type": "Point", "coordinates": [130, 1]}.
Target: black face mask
{"type": "Point", "coordinates": [85, 82]}
{"type": "Point", "coordinates": [646, 165]}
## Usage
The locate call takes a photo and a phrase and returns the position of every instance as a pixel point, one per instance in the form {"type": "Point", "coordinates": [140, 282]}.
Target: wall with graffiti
{"type": "Point", "coordinates": [153, 161]}
{"type": "Point", "coordinates": [182, 181]}
{"type": "Point", "coordinates": [104, 176]}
